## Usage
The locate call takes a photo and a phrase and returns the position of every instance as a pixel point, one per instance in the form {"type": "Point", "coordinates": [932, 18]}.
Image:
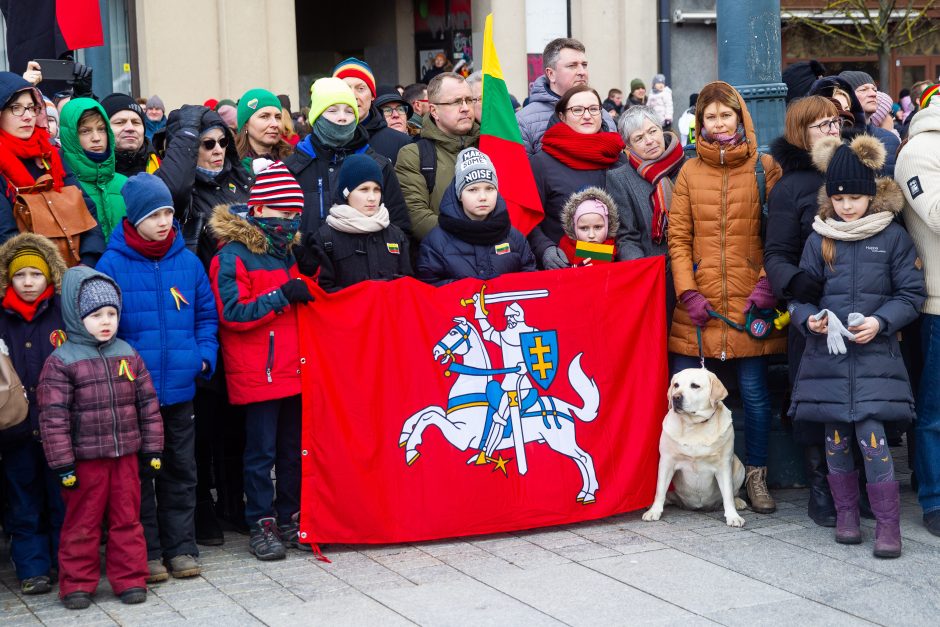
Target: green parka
{"type": "Point", "coordinates": [99, 180]}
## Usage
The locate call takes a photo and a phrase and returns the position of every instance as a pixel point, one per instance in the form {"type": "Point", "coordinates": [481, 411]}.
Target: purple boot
{"type": "Point", "coordinates": [845, 495]}
{"type": "Point", "coordinates": [886, 504]}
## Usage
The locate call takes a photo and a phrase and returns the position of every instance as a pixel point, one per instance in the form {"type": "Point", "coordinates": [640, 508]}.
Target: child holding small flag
{"type": "Point", "coordinates": [170, 318]}
{"type": "Point", "coordinates": [474, 237]}
{"type": "Point", "coordinates": [590, 221]}
{"type": "Point", "coordinates": [358, 242]}
{"type": "Point", "coordinates": [97, 412]}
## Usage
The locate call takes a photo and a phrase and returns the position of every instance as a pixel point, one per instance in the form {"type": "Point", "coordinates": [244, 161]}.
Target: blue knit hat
{"type": "Point", "coordinates": [145, 194]}
{"type": "Point", "coordinates": [356, 170]}
{"type": "Point", "coordinates": [95, 293]}
{"type": "Point", "coordinates": [10, 85]}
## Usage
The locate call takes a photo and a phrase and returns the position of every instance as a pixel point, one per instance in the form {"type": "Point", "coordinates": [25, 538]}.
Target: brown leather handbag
{"type": "Point", "coordinates": [62, 215]}
{"type": "Point", "coordinates": [14, 406]}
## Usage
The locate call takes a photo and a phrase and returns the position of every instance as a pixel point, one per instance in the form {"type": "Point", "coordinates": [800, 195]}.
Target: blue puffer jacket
{"type": "Point", "coordinates": [173, 338]}
{"type": "Point", "coordinates": [878, 276]}
{"type": "Point", "coordinates": [445, 257]}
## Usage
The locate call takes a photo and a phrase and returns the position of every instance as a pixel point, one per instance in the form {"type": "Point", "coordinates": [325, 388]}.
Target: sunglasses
{"type": "Point", "coordinates": [209, 144]}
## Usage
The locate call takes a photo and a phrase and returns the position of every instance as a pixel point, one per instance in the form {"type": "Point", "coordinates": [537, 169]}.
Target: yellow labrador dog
{"type": "Point", "coordinates": [696, 450]}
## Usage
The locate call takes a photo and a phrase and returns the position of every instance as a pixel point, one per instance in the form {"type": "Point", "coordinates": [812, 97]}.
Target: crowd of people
{"type": "Point", "coordinates": [157, 343]}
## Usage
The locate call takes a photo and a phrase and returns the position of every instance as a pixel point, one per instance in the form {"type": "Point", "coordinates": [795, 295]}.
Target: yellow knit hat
{"type": "Point", "coordinates": [28, 257]}
{"type": "Point", "coordinates": [326, 92]}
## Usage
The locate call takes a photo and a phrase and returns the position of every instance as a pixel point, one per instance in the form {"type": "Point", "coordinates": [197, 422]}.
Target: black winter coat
{"type": "Point", "coordinates": [352, 258]}
{"type": "Point", "coordinates": [556, 182]}
{"type": "Point", "coordinates": [384, 140]}
{"type": "Point", "coordinates": [444, 257]}
{"type": "Point", "coordinates": [878, 276]}
{"type": "Point", "coordinates": [30, 343]}
{"type": "Point", "coordinates": [195, 194]}
{"type": "Point", "coordinates": [131, 163]}
{"type": "Point", "coordinates": [791, 206]}
{"type": "Point", "coordinates": [316, 168]}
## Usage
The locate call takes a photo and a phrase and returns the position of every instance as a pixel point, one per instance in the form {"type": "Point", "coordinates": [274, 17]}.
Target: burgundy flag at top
{"type": "Point", "coordinates": [529, 400]}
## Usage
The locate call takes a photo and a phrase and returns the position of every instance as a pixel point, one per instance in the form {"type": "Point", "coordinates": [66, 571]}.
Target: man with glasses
{"type": "Point", "coordinates": [566, 65]}
{"type": "Point", "coordinates": [416, 95]}
{"type": "Point", "coordinates": [358, 75]}
{"type": "Point", "coordinates": [133, 152]}
{"type": "Point", "coordinates": [867, 93]}
{"type": "Point", "coordinates": [394, 109]}
{"type": "Point", "coordinates": [425, 169]}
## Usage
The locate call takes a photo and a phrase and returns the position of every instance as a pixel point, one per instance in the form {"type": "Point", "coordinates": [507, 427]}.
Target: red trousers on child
{"type": "Point", "coordinates": [105, 486]}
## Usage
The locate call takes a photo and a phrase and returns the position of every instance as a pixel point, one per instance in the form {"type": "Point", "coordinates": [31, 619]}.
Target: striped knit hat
{"type": "Point", "coordinates": [928, 94]}
{"type": "Point", "coordinates": [354, 68]}
{"type": "Point", "coordinates": [275, 187]}
{"type": "Point", "coordinates": [884, 108]}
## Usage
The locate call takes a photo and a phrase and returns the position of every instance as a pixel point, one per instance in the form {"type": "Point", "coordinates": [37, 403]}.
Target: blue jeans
{"type": "Point", "coordinates": [927, 427]}
{"type": "Point", "coordinates": [752, 381]}
{"type": "Point", "coordinates": [34, 519]}
{"type": "Point", "coordinates": [272, 430]}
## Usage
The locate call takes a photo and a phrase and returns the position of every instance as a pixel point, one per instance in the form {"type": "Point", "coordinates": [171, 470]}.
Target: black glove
{"type": "Point", "coordinates": [296, 291]}
{"type": "Point", "coordinates": [190, 117]}
{"type": "Point", "coordinates": [67, 477]}
{"type": "Point", "coordinates": [81, 82]}
{"type": "Point", "coordinates": [805, 288]}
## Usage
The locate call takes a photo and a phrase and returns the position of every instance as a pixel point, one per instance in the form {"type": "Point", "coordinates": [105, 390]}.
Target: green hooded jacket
{"type": "Point", "coordinates": [99, 180]}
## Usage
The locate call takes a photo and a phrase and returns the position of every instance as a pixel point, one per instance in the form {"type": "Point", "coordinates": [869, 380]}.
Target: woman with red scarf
{"type": "Point", "coordinates": [575, 154]}
{"type": "Point", "coordinates": [26, 153]}
{"type": "Point", "coordinates": [643, 188]}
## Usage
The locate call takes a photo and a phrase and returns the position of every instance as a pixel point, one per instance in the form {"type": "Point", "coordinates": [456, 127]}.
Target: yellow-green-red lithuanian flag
{"type": "Point", "coordinates": [501, 140]}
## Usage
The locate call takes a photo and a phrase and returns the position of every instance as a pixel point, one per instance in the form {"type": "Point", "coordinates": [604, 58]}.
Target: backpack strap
{"type": "Point", "coordinates": [761, 175]}
{"type": "Point", "coordinates": [427, 160]}
{"type": "Point", "coordinates": [328, 242]}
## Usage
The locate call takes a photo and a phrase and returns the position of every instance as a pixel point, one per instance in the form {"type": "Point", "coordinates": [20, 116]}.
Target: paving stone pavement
{"type": "Point", "coordinates": [687, 569]}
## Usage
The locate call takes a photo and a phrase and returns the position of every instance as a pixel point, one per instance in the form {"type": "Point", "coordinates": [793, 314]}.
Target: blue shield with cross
{"type": "Point", "coordinates": [540, 352]}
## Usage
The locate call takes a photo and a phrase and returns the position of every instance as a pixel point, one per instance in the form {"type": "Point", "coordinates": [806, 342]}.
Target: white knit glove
{"type": "Point", "coordinates": [835, 333]}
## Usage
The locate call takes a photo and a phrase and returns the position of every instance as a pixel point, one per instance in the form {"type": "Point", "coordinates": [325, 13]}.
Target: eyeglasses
{"type": "Point", "coordinates": [828, 125]}
{"type": "Point", "coordinates": [460, 102]}
{"type": "Point", "coordinates": [209, 144]}
{"type": "Point", "coordinates": [387, 111]}
{"type": "Point", "coordinates": [578, 111]}
{"type": "Point", "coordinates": [18, 110]}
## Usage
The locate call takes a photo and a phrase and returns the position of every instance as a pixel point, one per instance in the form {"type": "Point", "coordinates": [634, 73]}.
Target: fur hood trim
{"type": "Point", "coordinates": [228, 223]}
{"type": "Point", "coordinates": [791, 158]}
{"type": "Point", "coordinates": [869, 150]}
{"type": "Point", "coordinates": [567, 212]}
{"type": "Point", "coordinates": [44, 245]}
{"type": "Point", "coordinates": [888, 197]}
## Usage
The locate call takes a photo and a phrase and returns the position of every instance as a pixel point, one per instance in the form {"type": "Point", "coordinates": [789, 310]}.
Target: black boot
{"type": "Point", "coordinates": [821, 508]}
{"type": "Point", "coordinates": [208, 529]}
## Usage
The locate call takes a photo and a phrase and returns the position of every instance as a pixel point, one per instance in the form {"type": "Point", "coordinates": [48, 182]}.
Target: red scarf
{"type": "Point", "coordinates": [657, 173]}
{"type": "Point", "coordinates": [146, 247]}
{"type": "Point", "coordinates": [13, 302]}
{"type": "Point", "coordinates": [582, 152]}
{"type": "Point", "coordinates": [13, 151]}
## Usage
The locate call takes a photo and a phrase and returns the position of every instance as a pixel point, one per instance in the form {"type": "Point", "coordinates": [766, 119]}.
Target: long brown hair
{"type": "Point", "coordinates": [279, 151]}
{"type": "Point", "coordinates": [803, 112]}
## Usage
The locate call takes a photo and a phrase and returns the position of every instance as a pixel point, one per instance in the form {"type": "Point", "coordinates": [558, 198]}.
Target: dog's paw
{"type": "Point", "coordinates": [652, 514]}
{"type": "Point", "coordinates": [734, 520]}
{"type": "Point", "coordinates": [739, 503]}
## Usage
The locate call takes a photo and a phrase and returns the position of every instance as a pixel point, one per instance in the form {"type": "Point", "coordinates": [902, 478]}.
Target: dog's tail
{"type": "Point", "coordinates": [586, 389]}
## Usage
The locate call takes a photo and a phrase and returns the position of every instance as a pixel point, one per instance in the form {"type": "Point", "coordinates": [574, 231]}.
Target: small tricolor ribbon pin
{"type": "Point", "coordinates": [178, 297]}
{"type": "Point", "coordinates": [124, 370]}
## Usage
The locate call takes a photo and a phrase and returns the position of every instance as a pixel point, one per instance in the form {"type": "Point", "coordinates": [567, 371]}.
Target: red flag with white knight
{"type": "Point", "coordinates": [529, 400]}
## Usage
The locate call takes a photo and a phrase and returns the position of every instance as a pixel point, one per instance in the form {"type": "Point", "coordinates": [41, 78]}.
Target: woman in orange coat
{"type": "Point", "coordinates": [717, 265]}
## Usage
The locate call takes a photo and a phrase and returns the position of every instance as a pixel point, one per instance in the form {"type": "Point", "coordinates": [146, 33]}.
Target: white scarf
{"type": "Point", "coordinates": [863, 228]}
{"type": "Point", "coordinates": [345, 219]}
